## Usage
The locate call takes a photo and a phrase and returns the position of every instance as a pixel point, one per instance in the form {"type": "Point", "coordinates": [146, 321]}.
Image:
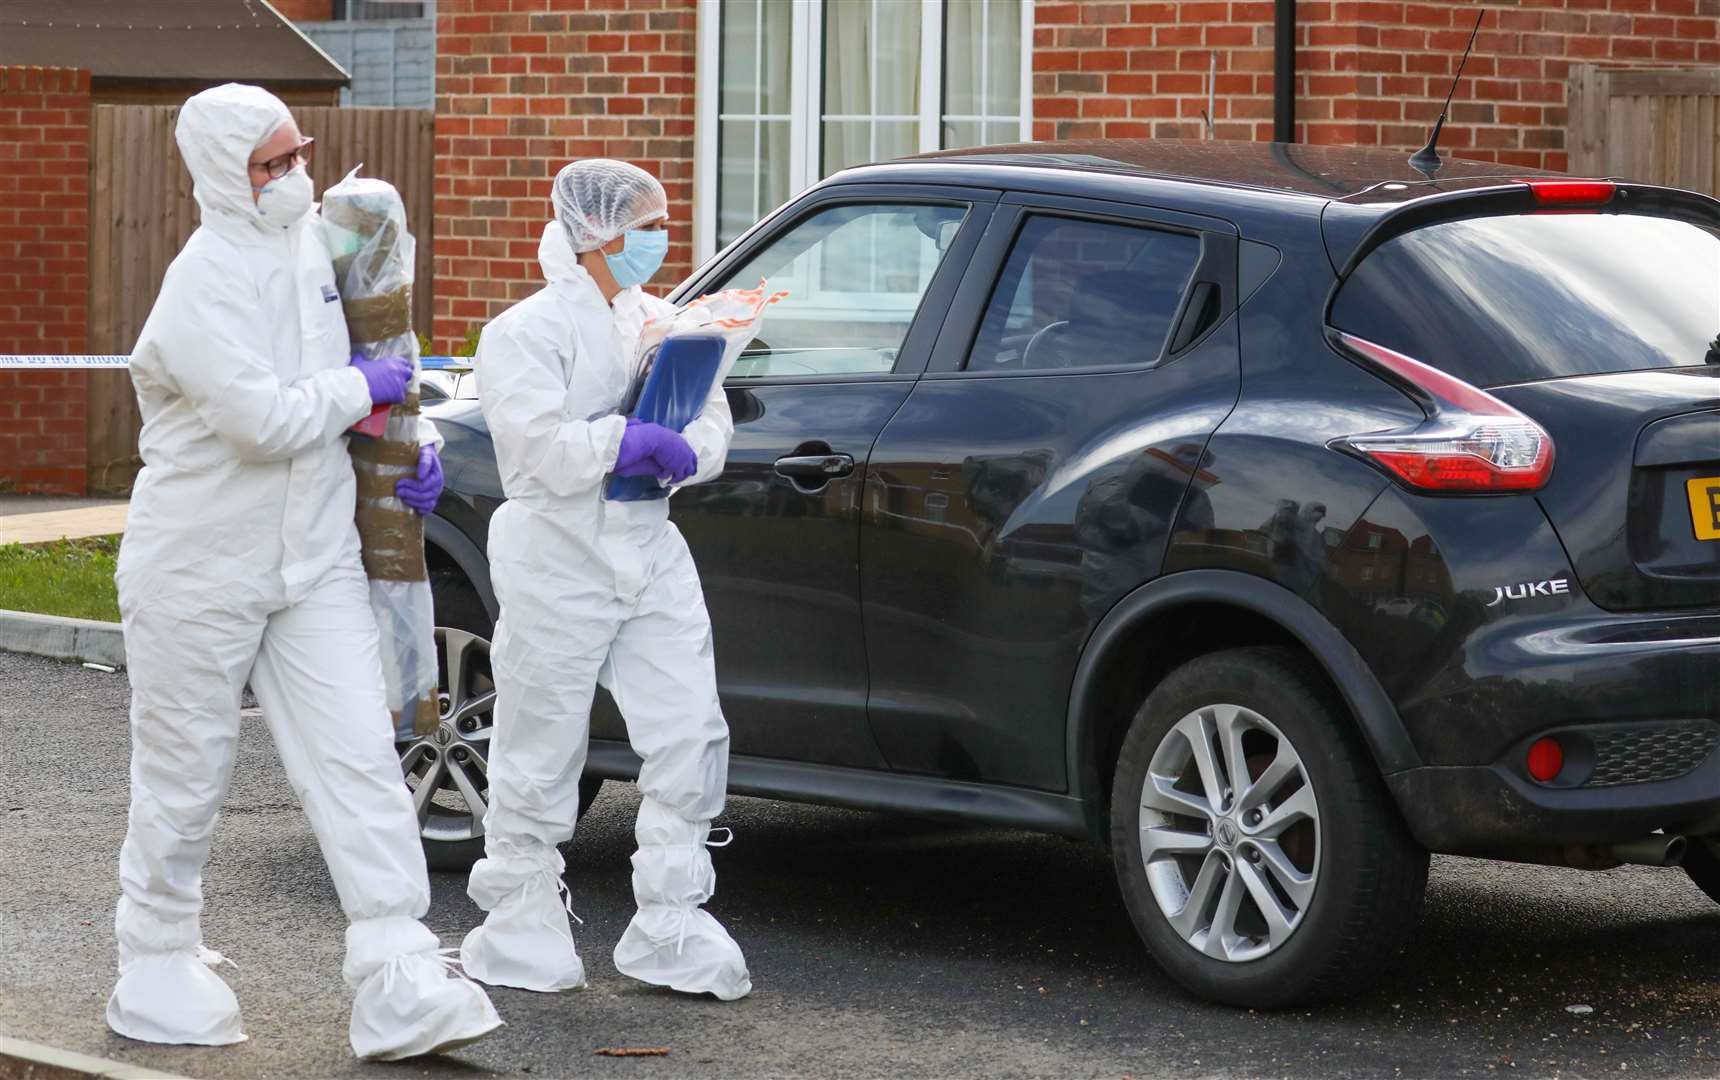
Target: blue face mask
{"type": "Point", "coordinates": [640, 258]}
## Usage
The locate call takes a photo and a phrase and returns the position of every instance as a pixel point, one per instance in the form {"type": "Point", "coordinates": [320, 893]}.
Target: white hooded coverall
{"type": "Point", "coordinates": [241, 563]}
{"type": "Point", "coordinates": [592, 590]}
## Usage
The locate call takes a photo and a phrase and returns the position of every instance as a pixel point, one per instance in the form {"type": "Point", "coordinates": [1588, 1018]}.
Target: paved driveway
{"type": "Point", "coordinates": [880, 946]}
{"type": "Point", "coordinates": [35, 519]}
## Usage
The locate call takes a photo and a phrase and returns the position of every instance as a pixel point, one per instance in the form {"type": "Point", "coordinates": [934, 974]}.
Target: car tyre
{"type": "Point", "coordinates": [1702, 863]}
{"type": "Point", "coordinates": [1307, 828]}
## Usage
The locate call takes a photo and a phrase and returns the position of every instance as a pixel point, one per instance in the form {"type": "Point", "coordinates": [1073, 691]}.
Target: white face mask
{"type": "Point", "coordinates": [283, 202]}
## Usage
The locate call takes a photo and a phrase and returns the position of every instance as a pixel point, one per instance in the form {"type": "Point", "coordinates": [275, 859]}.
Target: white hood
{"type": "Point", "coordinates": [218, 130]}
{"type": "Point", "coordinates": [555, 255]}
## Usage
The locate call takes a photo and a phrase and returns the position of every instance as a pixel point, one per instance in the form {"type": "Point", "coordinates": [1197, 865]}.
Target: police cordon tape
{"type": "Point", "coordinates": [61, 363]}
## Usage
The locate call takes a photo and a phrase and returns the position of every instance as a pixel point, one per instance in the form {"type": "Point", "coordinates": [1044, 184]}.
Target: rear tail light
{"type": "Point", "coordinates": [1571, 194]}
{"type": "Point", "coordinates": [1471, 442]}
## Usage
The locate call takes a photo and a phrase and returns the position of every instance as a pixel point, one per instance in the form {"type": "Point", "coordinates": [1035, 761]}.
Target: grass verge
{"type": "Point", "coordinates": [66, 577]}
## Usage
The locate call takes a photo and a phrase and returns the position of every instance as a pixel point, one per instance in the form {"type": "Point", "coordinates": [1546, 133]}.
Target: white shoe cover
{"type": "Point", "coordinates": [672, 941]}
{"type": "Point", "coordinates": [415, 1005]}
{"type": "Point", "coordinates": [174, 998]}
{"type": "Point", "coordinates": [526, 941]}
{"type": "Point", "coordinates": [685, 949]}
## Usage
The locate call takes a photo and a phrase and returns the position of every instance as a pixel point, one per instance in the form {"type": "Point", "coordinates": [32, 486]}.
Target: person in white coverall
{"type": "Point", "coordinates": [241, 563]}
{"type": "Point", "coordinates": [593, 590]}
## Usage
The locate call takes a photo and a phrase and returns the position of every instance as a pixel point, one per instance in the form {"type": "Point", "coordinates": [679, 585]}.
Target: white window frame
{"type": "Point", "coordinates": [806, 45]}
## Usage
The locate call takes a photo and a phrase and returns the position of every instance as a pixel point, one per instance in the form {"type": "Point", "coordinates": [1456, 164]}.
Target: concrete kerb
{"type": "Point", "coordinates": [62, 638]}
{"type": "Point", "coordinates": [20, 1060]}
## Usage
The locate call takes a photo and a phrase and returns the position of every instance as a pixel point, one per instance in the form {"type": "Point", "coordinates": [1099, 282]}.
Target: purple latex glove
{"type": "Point", "coordinates": [676, 460]}
{"type": "Point", "coordinates": [653, 450]}
{"type": "Point", "coordinates": [387, 377]}
{"type": "Point", "coordinates": [420, 492]}
{"type": "Point", "coordinates": [646, 466]}
{"type": "Point", "coordinates": [639, 445]}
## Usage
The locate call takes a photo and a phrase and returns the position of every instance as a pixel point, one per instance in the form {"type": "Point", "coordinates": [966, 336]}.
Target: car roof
{"type": "Point", "coordinates": [1323, 172]}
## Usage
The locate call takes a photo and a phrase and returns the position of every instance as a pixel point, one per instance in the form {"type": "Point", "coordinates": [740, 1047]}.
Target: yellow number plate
{"type": "Point", "coordinates": [1705, 506]}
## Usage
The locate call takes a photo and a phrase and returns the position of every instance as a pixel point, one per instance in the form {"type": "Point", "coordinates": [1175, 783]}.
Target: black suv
{"type": "Point", "coordinates": [1274, 514]}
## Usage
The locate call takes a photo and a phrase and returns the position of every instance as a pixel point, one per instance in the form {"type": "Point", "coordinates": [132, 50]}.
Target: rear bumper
{"type": "Point", "coordinates": [1486, 809]}
{"type": "Point", "coordinates": [1635, 704]}
{"type": "Point", "coordinates": [1517, 679]}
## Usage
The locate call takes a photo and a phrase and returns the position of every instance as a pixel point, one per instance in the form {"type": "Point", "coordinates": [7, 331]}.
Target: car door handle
{"type": "Point", "coordinates": [817, 468]}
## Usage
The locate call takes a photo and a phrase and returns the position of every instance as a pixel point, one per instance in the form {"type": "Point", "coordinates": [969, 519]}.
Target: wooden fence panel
{"type": "Point", "coordinates": [142, 211]}
{"type": "Point", "coordinates": [1653, 126]}
{"type": "Point", "coordinates": [137, 223]}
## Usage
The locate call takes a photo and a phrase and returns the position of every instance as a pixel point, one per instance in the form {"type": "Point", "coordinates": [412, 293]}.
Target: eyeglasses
{"type": "Point", "coordinates": [278, 167]}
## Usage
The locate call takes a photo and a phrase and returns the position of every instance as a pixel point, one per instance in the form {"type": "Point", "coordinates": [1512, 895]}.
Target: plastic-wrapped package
{"type": "Point", "coordinates": [364, 226]}
{"type": "Point", "coordinates": [680, 357]}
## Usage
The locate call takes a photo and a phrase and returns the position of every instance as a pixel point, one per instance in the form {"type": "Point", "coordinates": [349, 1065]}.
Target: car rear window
{"type": "Point", "coordinates": [1505, 300]}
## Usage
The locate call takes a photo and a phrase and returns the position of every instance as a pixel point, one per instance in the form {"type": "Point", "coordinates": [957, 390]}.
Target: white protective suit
{"type": "Point", "coordinates": [593, 590]}
{"type": "Point", "coordinates": [241, 563]}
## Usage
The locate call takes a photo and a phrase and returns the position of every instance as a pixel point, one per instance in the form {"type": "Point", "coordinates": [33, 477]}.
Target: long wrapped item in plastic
{"type": "Point", "coordinates": [680, 357]}
{"type": "Point", "coordinates": [364, 225]}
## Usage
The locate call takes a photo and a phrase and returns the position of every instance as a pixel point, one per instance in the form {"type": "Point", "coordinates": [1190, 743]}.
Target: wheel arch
{"type": "Point", "coordinates": [446, 545]}
{"type": "Point", "coordinates": [1173, 619]}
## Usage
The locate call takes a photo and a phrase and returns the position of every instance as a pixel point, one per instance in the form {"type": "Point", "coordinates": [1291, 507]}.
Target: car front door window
{"type": "Point", "coordinates": [854, 275]}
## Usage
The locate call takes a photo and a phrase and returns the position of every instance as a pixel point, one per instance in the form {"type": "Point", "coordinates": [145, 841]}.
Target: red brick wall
{"type": "Point", "coordinates": [1511, 105]}
{"type": "Point", "coordinates": [1139, 70]}
{"type": "Point", "coordinates": [44, 272]}
{"type": "Point", "coordinates": [304, 10]}
{"type": "Point", "coordinates": [1372, 73]}
{"type": "Point", "coordinates": [522, 88]}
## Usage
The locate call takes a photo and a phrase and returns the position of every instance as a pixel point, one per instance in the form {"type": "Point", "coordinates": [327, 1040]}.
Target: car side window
{"type": "Point", "coordinates": [1076, 293]}
{"type": "Point", "coordinates": [854, 275]}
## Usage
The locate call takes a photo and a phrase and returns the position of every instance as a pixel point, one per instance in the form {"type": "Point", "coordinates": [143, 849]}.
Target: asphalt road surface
{"type": "Point", "coordinates": [879, 946]}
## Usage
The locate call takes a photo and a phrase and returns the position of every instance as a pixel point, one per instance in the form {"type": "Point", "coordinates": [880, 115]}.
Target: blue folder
{"type": "Point", "coordinates": [671, 391]}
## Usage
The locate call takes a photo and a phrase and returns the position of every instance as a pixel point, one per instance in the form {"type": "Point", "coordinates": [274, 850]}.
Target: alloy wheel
{"type": "Point", "coordinates": [447, 770]}
{"type": "Point", "coordinates": [1230, 833]}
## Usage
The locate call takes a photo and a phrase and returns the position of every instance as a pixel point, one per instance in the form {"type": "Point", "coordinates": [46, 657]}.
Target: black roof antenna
{"type": "Point", "coordinates": [1427, 158]}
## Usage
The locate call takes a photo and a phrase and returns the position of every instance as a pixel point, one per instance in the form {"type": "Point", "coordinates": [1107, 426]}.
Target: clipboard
{"type": "Point", "coordinates": [671, 390]}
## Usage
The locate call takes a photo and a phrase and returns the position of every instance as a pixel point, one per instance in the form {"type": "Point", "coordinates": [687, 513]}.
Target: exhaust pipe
{"type": "Point", "coordinates": [1657, 850]}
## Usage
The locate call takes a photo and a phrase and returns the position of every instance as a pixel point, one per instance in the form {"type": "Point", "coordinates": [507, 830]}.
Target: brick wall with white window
{"type": "Point", "coordinates": [522, 88]}
{"type": "Point", "coordinates": [791, 91]}
{"type": "Point", "coordinates": [788, 91]}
